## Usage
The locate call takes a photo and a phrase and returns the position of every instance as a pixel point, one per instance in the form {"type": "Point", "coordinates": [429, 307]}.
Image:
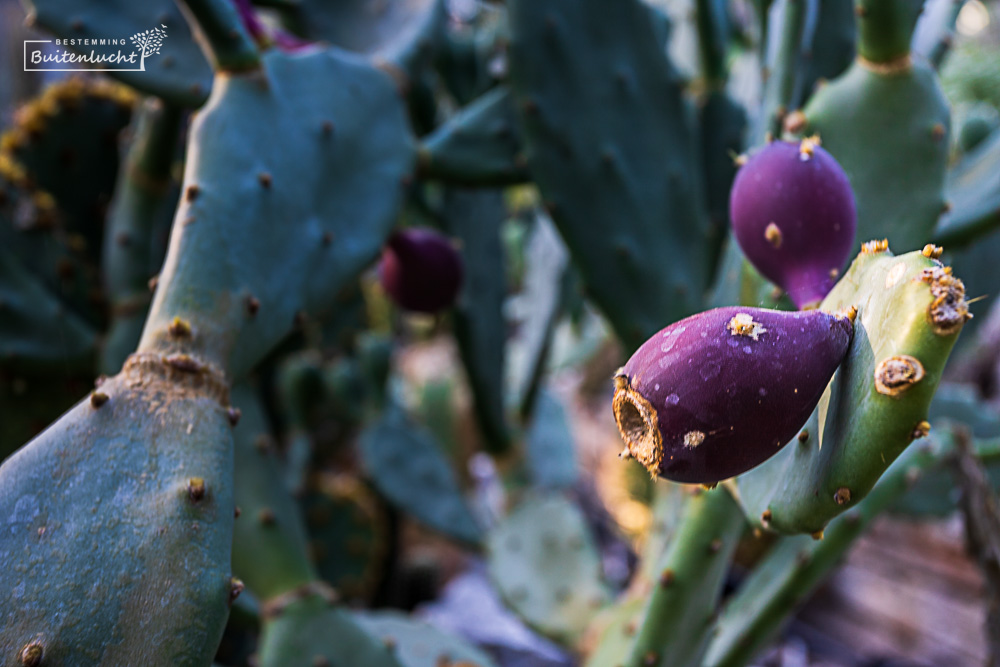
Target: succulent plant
{"type": "Point", "coordinates": [558, 177]}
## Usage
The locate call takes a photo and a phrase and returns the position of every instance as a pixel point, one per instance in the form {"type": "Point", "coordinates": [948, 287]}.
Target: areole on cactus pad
{"type": "Point", "coordinates": [720, 392]}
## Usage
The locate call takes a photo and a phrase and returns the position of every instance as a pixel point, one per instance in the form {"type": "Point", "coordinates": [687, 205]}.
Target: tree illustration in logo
{"type": "Point", "coordinates": [148, 42]}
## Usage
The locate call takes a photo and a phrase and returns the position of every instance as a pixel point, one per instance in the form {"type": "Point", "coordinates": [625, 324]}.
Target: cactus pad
{"type": "Point", "coordinates": [408, 468]}
{"type": "Point", "coordinates": [419, 644]}
{"type": "Point", "coordinates": [910, 311]}
{"type": "Point", "coordinates": [612, 148]}
{"type": "Point", "coordinates": [546, 566]}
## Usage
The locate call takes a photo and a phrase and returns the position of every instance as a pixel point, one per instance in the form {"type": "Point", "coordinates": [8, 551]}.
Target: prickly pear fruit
{"type": "Point", "coordinates": [794, 216]}
{"type": "Point", "coordinates": [722, 391]}
{"type": "Point", "coordinates": [421, 270]}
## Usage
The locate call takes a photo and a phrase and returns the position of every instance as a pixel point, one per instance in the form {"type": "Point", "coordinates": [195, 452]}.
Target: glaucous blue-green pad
{"type": "Point", "coordinates": [420, 644]}
{"type": "Point", "coordinates": [310, 629]}
{"type": "Point", "coordinates": [292, 182]}
{"type": "Point", "coordinates": [370, 27]}
{"type": "Point", "coordinates": [544, 562]}
{"type": "Point", "coordinates": [478, 146]}
{"type": "Point", "coordinates": [910, 312]}
{"type": "Point", "coordinates": [889, 131]}
{"type": "Point", "coordinates": [117, 525]}
{"type": "Point", "coordinates": [179, 74]}
{"type": "Point", "coordinates": [611, 143]}
{"type": "Point", "coordinates": [36, 329]}
{"type": "Point", "coordinates": [408, 467]}
{"type": "Point", "coordinates": [550, 450]}
{"type": "Point", "coordinates": [475, 218]}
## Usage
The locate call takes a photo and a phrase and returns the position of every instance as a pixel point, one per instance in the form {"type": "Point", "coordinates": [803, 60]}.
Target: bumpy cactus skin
{"type": "Point", "coordinates": [718, 393]}
{"type": "Point", "coordinates": [421, 270]}
{"type": "Point", "coordinates": [910, 312]}
{"type": "Point", "coordinates": [118, 525]}
{"type": "Point", "coordinates": [793, 215]}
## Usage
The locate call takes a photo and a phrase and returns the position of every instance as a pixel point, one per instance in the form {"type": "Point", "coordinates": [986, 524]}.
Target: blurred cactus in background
{"type": "Point", "coordinates": [350, 307]}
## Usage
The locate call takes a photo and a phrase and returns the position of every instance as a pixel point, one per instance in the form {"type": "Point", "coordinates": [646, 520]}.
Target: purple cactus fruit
{"type": "Point", "coordinates": [421, 270]}
{"type": "Point", "coordinates": [793, 214]}
{"type": "Point", "coordinates": [722, 391]}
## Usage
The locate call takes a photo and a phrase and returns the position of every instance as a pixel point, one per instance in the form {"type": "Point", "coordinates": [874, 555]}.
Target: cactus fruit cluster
{"type": "Point", "coordinates": [208, 266]}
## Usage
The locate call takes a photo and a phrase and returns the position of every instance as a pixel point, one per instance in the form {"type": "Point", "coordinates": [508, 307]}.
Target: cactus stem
{"type": "Point", "coordinates": [97, 399]}
{"type": "Point", "coordinates": [896, 374]}
{"type": "Point", "coordinates": [638, 424]}
{"type": "Point", "coordinates": [31, 654]}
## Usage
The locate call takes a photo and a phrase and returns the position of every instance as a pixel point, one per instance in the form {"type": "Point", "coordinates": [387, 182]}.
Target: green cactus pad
{"type": "Point", "coordinates": [120, 516]}
{"type": "Point", "coordinates": [546, 566]}
{"type": "Point", "coordinates": [478, 146]}
{"type": "Point", "coordinates": [179, 73]}
{"type": "Point", "coordinates": [311, 631]}
{"type": "Point", "coordinates": [795, 566]}
{"type": "Point", "coordinates": [36, 329]}
{"type": "Point", "coordinates": [973, 193]}
{"type": "Point", "coordinates": [549, 445]}
{"type": "Point", "coordinates": [676, 623]}
{"type": "Point", "coordinates": [273, 229]}
{"type": "Point", "coordinates": [270, 552]}
{"type": "Point", "coordinates": [66, 143]}
{"type": "Point", "coordinates": [910, 310]}
{"type": "Point", "coordinates": [612, 146]}
{"type": "Point", "coordinates": [888, 129]}
{"type": "Point", "coordinates": [419, 644]}
{"type": "Point", "coordinates": [363, 26]}
{"type": "Point", "coordinates": [474, 218]}
{"type": "Point", "coordinates": [145, 200]}
{"type": "Point", "coordinates": [408, 468]}
{"type": "Point", "coordinates": [348, 535]}
{"type": "Point", "coordinates": [541, 303]}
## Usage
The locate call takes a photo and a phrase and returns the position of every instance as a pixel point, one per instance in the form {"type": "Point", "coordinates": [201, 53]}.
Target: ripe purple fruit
{"type": "Point", "coordinates": [794, 216]}
{"type": "Point", "coordinates": [421, 270]}
{"type": "Point", "coordinates": [722, 391]}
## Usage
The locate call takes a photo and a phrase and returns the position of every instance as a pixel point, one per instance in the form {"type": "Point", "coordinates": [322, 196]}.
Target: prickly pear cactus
{"type": "Point", "coordinates": [131, 492]}
{"type": "Point", "coordinates": [910, 311]}
{"type": "Point", "coordinates": [348, 535]}
{"type": "Point", "coordinates": [604, 121]}
{"type": "Point", "coordinates": [887, 122]}
{"type": "Point", "coordinates": [545, 564]}
{"type": "Point", "coordinates": [353, 134]}
{"type": "Point", "coordinates": [419, 644]}
{"type": "Point", "coordinates": [407, 466]}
